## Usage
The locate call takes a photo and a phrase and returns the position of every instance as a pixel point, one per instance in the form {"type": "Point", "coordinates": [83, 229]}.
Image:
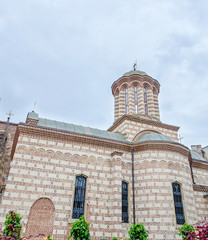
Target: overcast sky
{"type": "Point", "coordinates": [66, 54]}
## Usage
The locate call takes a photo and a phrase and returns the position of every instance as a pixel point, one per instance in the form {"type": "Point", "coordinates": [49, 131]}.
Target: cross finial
{"type": "Point", "coordinates": [9, 115]}
{"type": "Point", "coordinates": [180, 138]}
{"type": "Point", "coordinates": [135, 65]}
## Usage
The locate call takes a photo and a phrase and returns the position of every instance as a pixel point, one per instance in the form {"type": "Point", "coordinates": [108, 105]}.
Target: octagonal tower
{"type": "Point", "coordinates": [136, 93]}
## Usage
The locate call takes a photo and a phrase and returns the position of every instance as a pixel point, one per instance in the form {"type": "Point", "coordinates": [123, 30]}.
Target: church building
{"type": "Point", "coordinates": [135, 172]}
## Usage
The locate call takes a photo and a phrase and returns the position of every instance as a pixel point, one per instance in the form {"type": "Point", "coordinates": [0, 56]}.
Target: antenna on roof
{"type": "Point", "coordinates": [34, 107]}
{"type": "Point", "coordinates": [135, 65]}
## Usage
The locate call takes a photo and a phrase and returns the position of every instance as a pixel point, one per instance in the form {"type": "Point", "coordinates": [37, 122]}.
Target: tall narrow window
{"type": "Point", "coordinates": [180, 218]}
{"type": "Point", "coordinates": [126, 109]}
{"type": "Point", "coordinates": [79, 197]}
{"type": "Point", "coordinates": [145, 101]}
{"type": "Point", "coordinates": [136, 108]}
{"type": "Point", "coordinates": [126, 95]}
{"type": "Point", "coordinates": [135, 94]}
{"type": "Point", "coordinates": [125, 215]}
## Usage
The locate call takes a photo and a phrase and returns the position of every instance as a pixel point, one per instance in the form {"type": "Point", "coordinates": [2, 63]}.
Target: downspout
{"type": "Point", "coordinates": [192, 175]}
{"type": "Point", "coordinates": [132, 158]}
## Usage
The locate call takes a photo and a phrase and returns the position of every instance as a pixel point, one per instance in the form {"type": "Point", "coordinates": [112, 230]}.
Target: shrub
{"type": "Point", "coordinates": [201, 231]}
{"type": "Point", "coordinates": [80, 230]}
{"type": "Point", "coordinates": [114, 238]}
{"type": "Point", "coordinates": [12, 225]}
{"type": "Point", "coordinates": [186, 230]}
{"type": "Point", "coordinates": [138, 231]}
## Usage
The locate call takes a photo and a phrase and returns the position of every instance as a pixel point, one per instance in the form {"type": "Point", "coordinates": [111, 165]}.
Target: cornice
{"type": "Point", "coordinates": [119, 146]}
{"type": "Point", "coordinates": [163, 146]}
{"type": "Point", "coordinates": [200, 164]}
{"type": "Point", "coordinates": [142, 120]}
{"type": "Point", "coordinates": [79, 138]}
{"type": "Point", "coordinates": [200, 188]}
{"type": "Point", "coordinates": [10, 123]}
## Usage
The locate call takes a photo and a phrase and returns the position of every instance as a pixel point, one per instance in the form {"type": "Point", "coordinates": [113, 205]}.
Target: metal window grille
{"type": "Point", "coordinates": [79, 197]}
{"type": "Point", "coordinates": [180, 218]}
{"type": "Point", "coordinates": [125, 215]}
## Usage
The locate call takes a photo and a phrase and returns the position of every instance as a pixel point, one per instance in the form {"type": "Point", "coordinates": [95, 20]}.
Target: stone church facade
{"type": "Point", "coordinates": [136, 171]}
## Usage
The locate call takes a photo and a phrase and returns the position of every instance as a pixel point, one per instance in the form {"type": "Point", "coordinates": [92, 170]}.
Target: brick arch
{"type": "Point", "coordinates": [41, 218]}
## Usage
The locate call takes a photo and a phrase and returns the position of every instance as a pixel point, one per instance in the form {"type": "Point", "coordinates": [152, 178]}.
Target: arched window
{"type": "Point", "coordinates": [126, 95]}
{"type": "Point", "coordinates": [125, 215]}
{"type": "Point", "coordinates": [79, 197]}
{"type": "Point", "coordinates": [135, 94]}
{"type": "Point", "coordinates": [126, 109]}
{"type": "Point", "coordinates": [180, 218]}
{"type": "Point", "coordinates": [136, 108]}
{"type": "Point", "coordinates": [145, 101]}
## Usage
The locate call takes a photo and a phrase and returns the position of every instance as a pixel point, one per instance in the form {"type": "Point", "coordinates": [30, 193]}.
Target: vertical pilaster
{"type": "Point", "coordinates": [131, 101]}
{"type": "Point", "coordinates": [140, 92]}
{"type": "Point", "coordinates": [116, 196]}
{"type": "Point", "coordinates": [150, 102]}
{"type": "Point", "coordinates": [156, 106]}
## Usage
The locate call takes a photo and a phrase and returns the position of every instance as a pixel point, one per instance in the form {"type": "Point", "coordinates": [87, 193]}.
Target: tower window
{"type": "Point", "coordinates": [125, 215]}
{"type": "Point", "coordinates": [79, 197]}
{"type": "Point", "coordinates": [145, 101]}
{"type": "Point", "coordinates": [180, 218]}
{"type": "Point", "coordinates": [146, 109]}
{"type": "Point", "coordinates": [136, 108]}
{"type": "Point", "coordinates": [126, 95]}
{"type": "Point", "coordinates": [135, 94]}
{"type": "Point", "coordinates": [126, 109]}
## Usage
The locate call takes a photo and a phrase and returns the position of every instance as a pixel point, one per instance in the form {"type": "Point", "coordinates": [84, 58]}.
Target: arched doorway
{"type": "Point", "coordinates": [41, 218]}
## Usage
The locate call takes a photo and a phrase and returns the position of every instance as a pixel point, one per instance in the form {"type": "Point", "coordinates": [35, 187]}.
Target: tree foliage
{"type": "Point", "coordinates": [80, 230]}
{"type": "Point", "coordinates": [138, 231]}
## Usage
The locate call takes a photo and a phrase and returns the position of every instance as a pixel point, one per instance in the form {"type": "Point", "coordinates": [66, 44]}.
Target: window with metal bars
{"type": "Point", "coordinates": [180, 218]}
{"type": "Point", "coordinates": [125, 215]}
{"type": "Point", "coordinates": [79, 197]}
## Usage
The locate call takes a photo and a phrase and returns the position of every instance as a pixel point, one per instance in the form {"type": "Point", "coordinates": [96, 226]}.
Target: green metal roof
{"type": "Point", "coordinates": [197, 156]}
{"type": "Point", "coordinates": [127, 74]}
{"type": "Point", "coordinates": [153, 136]}
{"type": "Point", "coordinates": [81, 130]}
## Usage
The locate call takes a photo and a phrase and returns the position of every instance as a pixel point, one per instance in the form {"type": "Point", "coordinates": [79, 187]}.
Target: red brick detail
{"type": "Point", "coordinates": [41, 218]}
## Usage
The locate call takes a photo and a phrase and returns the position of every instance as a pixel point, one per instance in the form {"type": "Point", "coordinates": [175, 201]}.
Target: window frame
{"type": "Point", "coordinates": [85, 193]}
{"type": "Point", "coordinates": [177, 219]}
{"type": "Point", "coordinates": [122, 201]}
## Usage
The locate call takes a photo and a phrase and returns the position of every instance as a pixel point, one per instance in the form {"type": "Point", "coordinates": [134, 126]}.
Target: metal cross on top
{"type": "Point", "coordinates": [135, 65]}
{"type": "Point", "coordinates": [9, 115]}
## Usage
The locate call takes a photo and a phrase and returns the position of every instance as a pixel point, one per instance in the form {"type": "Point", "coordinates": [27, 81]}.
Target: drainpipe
{"type": "Point", "coordinates": [192, 175]}
{"type": "Point", "coordinates": [132, 158]}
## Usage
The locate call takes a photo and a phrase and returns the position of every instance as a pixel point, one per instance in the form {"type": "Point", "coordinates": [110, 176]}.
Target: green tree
{"type": "Point", "coordinates": [80, 230]}
{"type": "Point", "coordinates": [138, 231]}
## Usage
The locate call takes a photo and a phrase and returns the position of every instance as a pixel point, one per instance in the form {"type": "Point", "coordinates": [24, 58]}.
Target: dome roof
{"type": "Point", "coordinates": [153, 136]}
{"type": "Point", "coordinates": [134, 72]}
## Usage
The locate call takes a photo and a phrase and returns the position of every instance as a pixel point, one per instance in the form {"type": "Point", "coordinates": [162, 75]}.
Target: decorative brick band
{"type": "Point", "coordinates": [163, 146]}
{"type": "Point", "coordinates": [200, 164]}
{"type": "Point", "coordinates": [200, 188]}
{"type": "Point", "coordinates": [142, 120]}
